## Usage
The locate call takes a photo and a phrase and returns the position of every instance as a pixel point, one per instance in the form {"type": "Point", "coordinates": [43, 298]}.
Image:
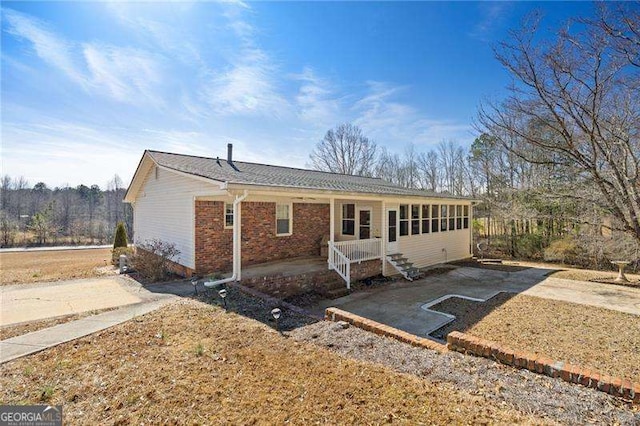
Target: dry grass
{"type": "Point", "coordinates": [570, 273]}
{"type": "Point", "coordinates": [193, 363]}
{"type": "Point", "coordinates": [34, 266]}
{"type": "Point", "coordinates": [600, 338]}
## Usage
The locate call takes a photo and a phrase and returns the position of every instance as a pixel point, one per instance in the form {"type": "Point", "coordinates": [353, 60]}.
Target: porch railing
{"type": "Point", "coordinates": [339, 263]}
{"type": "Point", "coordinates": [343, 253]}
{"type": "Point", "coordinates": [360, 250]}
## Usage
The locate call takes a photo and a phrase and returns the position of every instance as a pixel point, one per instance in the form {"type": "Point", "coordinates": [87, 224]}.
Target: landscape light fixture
{"type": "Point", "coordinates": [223, 294]}
{"type": "Point", "coordinates": [194, 283]}
{"type": "Point", "coordinates": [276, 312]}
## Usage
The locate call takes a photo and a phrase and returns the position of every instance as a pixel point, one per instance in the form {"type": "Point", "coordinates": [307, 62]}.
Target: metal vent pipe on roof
{"type": "Point", "coordinates": [230, 153]}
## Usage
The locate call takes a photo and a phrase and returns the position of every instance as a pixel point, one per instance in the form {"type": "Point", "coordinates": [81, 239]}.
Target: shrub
{"type": "Point", "coordinates": [152, 259]}
{"type": "Point", "coordinates": [116, 252]}
{"type": "Point", "coordinates": [565, 250]}
{"type": "Point", "coordinates": [120, 239]}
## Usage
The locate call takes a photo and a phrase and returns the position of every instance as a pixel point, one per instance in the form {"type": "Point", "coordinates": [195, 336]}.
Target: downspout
{"type": "Point", "coordinates": [237, 263]}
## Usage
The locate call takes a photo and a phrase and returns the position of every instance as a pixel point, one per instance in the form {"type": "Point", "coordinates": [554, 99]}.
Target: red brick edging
{"type": "Point", "coordinates": [616, 386]}
{"type": "Point", "coordinates": [335, 314]}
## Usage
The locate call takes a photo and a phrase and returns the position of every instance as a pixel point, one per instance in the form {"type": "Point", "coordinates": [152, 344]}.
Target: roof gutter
{"type": "Point", "coordinates": [237, 263]}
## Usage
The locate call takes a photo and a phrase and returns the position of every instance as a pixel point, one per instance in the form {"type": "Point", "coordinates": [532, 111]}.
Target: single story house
{"type": "Point", "coordinates": [224, 215]}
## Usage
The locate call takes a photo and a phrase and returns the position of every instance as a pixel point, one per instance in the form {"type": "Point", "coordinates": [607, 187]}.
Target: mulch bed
{"type": "Point", "coordinates": [492, 266]}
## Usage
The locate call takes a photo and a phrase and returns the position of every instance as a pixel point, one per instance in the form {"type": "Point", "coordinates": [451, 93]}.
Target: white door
{"type": "Point", "coordinates": [392, 231]}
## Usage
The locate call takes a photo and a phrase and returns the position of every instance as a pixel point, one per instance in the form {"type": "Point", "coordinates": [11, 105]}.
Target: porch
{"type": "Point", "coordinates": [288, 277]}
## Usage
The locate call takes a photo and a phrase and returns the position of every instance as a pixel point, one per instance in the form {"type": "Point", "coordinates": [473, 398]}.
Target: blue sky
{"type": "Point", "coordinates": [87, 86]}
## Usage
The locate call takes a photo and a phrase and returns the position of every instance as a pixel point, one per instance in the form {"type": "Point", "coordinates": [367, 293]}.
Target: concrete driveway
{"type": "Point", "coordinates": [402, 304]}
{"type": "Point", "coordinates": [30, 302]}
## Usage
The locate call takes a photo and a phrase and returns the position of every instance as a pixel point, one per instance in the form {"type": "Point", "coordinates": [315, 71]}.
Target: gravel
{"type": "Point", "coordinates": [530, 393]}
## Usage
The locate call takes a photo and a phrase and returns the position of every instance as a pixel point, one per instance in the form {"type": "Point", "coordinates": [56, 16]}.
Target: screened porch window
{"type": "Point", "coordinates": [404, 219]}
{"type": "Point", "coordinates": [435, 221]}
{"type": "Point", "coordinates": [426, 210]}
{"type": "Point", "coordinates": [415, 219]}
{"type": "Point", "coordinates": [465, 220]}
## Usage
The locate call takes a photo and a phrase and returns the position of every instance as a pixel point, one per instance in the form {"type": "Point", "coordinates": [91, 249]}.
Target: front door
{"type": "Point", "coordinates": [392, 231]}
{"type": "Point", "coordinates": [364, 227]}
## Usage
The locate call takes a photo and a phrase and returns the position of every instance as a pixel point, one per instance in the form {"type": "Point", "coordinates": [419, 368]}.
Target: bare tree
{"type": "Point", "coordinates": [346, 150]}
{"type": "Point", "coordinates": [575, 107]}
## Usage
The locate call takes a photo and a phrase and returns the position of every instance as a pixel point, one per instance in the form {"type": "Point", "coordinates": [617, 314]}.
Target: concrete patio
{"type": "Point", "coordinates": [400, 304]}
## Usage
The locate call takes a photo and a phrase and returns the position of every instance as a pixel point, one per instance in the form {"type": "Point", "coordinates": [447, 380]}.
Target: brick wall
{"type": "Point", "coordinates": [214, 244]}
{"type": "Point", "coordinates": [366, 269]}
{"type": "Point", "coordinates": [283, 286]}
{"type": "Point", "coordinates": [540, 364]}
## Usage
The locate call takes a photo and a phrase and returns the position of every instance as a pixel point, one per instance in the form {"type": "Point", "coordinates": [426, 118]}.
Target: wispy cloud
{"type": "Point", "coordinates": [490, 14]}
{"type": "Point", "coordinates": [49, 47]}
{"type": "Point", "coordinates": [395, 123]}
{"type": "Point", "coordinates": [125, 74]}
{"type": "Point", "coordinates": [316, 100]}
{"type": "Point", "coordinates": [247, 87]}
{"type": "Point", "coordinates": [250, 84]}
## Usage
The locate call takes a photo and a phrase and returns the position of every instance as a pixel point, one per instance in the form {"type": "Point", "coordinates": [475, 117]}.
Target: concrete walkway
{"type": "Point", "coordinates": [400, 304]}
{"type": "Point", "coordinates": [32, 302]}
{"type": "Point", "coordinates": [36, 341]}
{"type": "Point", "coordinates": [52, 248]}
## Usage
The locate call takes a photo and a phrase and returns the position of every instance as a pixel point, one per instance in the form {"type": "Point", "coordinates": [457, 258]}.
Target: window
{"type": "Point", "coordinates": [426, 210]}
{"type": "Point", "coordinates": [364, 224]}
{"type": "Point", "coordinates": [404, 219]}
{"type": "Point", "coordinates": [435, 214]}
{"type": "Point", "coordinates": [465, 220]}
{"type": "Point", "coordinates": [393, 231]}
{"type": "Point", "coordinates": [415, 219]}
{"type": "Point", "coordinates": [458, 217]}
{"type": "Point", "coordinates": [452, 218]}
{"type": "Point", "coordinates": [228, 215]}
{"type": "Point", "coordinates": [283, 219]}
{"type": "Point", "coordinates": [443, 217]}
{"type": "Point", "coordinates": [348, 219]}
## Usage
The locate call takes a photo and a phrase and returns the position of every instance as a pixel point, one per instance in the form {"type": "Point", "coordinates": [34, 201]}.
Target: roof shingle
{"type": "Point", "coordinates": [240, 172]}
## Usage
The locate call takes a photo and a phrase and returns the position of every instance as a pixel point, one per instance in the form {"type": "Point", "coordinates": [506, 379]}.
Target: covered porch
{"type": "Point", "coordinates": [357, 232]}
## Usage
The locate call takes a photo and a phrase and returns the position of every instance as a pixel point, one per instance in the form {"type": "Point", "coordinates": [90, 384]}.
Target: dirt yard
{"type": "Point", "coordinates": [36, 266]}
{"type": "Point", "coordinates": [194, 361]}
{"type": "Point", "coordinates": [600, 338]}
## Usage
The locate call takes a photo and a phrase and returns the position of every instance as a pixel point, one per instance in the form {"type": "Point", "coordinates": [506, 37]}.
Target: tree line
{"type": "Point", "coordinates": [39, 215]}
{"type": "Point", "coordinates": [556, 165]}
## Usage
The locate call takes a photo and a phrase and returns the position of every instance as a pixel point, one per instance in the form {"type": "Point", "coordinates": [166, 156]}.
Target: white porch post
{"type": "Point", "coordinates": [332, 221]}
{"type": "Point", "coordinates": [238, 256]}
{"type": "Point", "coordinates": [383, 234]}
{"type": "Point", "coordinates": [332, 225]}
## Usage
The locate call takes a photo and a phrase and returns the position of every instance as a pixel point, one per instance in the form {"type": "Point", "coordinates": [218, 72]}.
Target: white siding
{"type": "Point", "coordinates": [427, 249]}
{"type": "Point", "coordinates": [164, 209]}
{"type": "Point", "coordinates": [376, 218]}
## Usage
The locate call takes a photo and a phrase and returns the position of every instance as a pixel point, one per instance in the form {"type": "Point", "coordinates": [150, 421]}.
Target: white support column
{"type": "Point", "coordinates": [383, 234]}
{"type": "Point", "coordinates": [332, 221]}
{"type": "Point", "coordinates": [238, 256]}
{"type": "Point", "coordinates": [332, 226]}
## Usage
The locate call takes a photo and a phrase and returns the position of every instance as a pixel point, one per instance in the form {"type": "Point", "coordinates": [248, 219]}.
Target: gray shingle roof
{"type": "Point", "coordinates": [278, 176]}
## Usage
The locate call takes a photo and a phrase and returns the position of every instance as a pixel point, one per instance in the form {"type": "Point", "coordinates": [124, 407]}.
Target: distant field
{"type": "Point", "coordinates": [34, 266]}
